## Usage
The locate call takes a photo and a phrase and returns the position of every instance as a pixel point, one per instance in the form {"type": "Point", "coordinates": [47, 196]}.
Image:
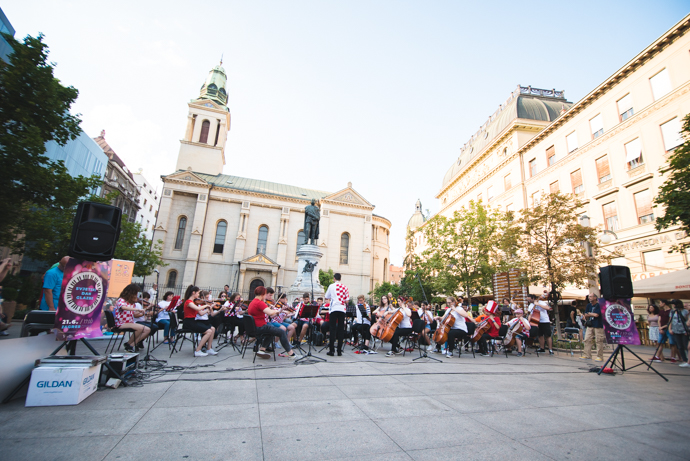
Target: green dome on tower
{"type": "Point", "coordinates": [215, 86]}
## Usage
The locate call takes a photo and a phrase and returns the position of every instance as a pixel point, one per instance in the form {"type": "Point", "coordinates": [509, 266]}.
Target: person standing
{"type": "Point", "coordinates": [595, 329]}
{"type": "Point", "coordinates": [678, 328]}
{"type": "Point", "coordinates": [153, 291]}
{"type": "Point", "coordinates": [52, 285]}
{"type": "Point", "coordinates": [665, 333]}
{"type": "Point", "coordinates": [338, 295]}
{"type": "Point", "coordinates": [544, 322]}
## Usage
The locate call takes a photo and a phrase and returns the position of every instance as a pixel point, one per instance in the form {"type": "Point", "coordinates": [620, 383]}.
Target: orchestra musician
{"type": "Point", "coordinates": [211, 317]}
{"type": "Point", "coordinates": [233, 315]}
{"type": "Point", "coordinates": [404, 329]}
{"type": "Point", "coordinates": [494, 326]}
{"type": "Point", "coordinates": [383, 307]}
{"type": "Point", "coordinates": [338, 296]}
{"type": "Point", "coordinates": [520, 337]}
{"type": "Point", "coordinates": [146, 316]}
{"type": "Point", "coordinates": [163, 318]}
{"type": "Point", "coordinates": [302, 324]}
{"type": "Point", "coordinates": [260, 311]}
{"type": "Point", "coordinates": [125, 307]}
{"type": "Point", "coordinates": [362, 323]}
{"type": "Point", "coordinates": [191, 311]}
{"type": "Point", "coordinates": [459, 329]}
{"type": "Point", "coordinates": [542, 306]}
{"type": "Point", "coordinates": [425, 315]}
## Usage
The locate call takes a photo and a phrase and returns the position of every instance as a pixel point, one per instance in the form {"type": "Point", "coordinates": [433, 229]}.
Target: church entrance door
{"type": "Point", "coordinates": [253, 286]}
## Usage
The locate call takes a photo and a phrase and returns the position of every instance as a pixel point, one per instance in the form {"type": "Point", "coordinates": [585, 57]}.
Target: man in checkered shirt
{"type": "Point", "coordinates": [338, 295]}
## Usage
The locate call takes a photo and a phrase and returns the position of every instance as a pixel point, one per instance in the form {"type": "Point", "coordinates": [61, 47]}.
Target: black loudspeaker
{"type": "Point", "coordinates": [615, 282]}
{"type": "Point", "coordinates": [95, 232]}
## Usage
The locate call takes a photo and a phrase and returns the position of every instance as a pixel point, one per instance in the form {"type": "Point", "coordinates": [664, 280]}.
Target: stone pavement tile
{"type": "Point", "coordinates": [291, 383]}
{"type": "Point", "coordinates": [667, 437]}
{"type": "Point", "coordinates": [38, 421]}
{"type": "Point", "coordinates": [403, 407]}
{"type": "Point", "coordinates": [541, 422]}
{"type": "Point", "coordinates": [202, 444]}
{"type": "Point", "coordinates": [597, 444]}
{"type": "Point", "coordinates": [120, 398]}
{"type": "Point", "coordinates": [316, 411]}
{"type": "Point", "coordinates": [373, 381]}
{"type": "Point", "coordinates": [511, 450]}
{"type": "Point", "coordinates": [58, 448]}
{"type": "Point", "coordinates": [328, 439]}
{"type": "Point", "coordinates": [397, 456]}
{"type": "Point", "coordinates": [641, 412]}
{"type": "Point", "coordinates": [433, 387]}
{"type": "Point", "coordinates": [600, 415]}
{"type": "Point", "coordinates": [363, 391]}
{"type": "Point", "coordinates": [431, 432]}
{"type": "Point", "coordinates": [212, 393]}
{"type": "Point", "coordinates": [182, 419]}
{"type": "Point", "coordinates": [300, 392]}
{"type": "Point", "coordinates": [480, 403]}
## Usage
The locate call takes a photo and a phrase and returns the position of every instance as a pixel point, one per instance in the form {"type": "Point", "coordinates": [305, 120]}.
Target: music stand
{"type": "Point", "coordinates": [309, 312]}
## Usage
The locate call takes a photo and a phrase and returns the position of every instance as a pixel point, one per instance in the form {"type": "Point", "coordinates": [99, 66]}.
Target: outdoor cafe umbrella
{"type": "Point", "coordinates": [671, 285]}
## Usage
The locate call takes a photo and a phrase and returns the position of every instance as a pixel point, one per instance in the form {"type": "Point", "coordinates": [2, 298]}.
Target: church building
{"type": "Point", "coordinates": [220, 229]}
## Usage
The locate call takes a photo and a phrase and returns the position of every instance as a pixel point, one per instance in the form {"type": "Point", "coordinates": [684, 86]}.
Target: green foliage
{"type": "Point", "coordinates": [34, 109]}
{"type": "Point", "coordinates": [382, 289]}
{"type": "Point", "coordinates": [134, 246]}
{"type": "Point", "coordinates": [326, 278]}
{"type": "Point", "coordinates": [464, 251]}
{"type": "Point", "coordinates": [410, 286]}
{"type": "Point", "coordinates": [9, 293]}
{"type": "Point", "coordinates": [674, 194]}
{"type": "Point", "coordinates": [551, 244]}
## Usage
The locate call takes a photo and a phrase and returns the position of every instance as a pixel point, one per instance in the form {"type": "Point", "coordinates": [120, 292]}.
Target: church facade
{"type": "Point", "coordinates": [220, 229]}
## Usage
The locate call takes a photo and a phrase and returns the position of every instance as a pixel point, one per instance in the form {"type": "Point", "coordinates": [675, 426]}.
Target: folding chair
{"type": "Point", "coordinates": [413, 338]}
{"type": "Point", "coordinates": [250, 330]}
{"type": "Point", "coordinates": [181, 332]}
{"type": "Point", "coordinates": [501, 337]}
{"type": "Point", "coordinates": [110, 319]}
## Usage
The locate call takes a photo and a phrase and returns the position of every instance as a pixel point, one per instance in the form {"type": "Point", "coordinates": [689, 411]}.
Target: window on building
{"type": "Point", "coordinates": [610, 216]}
{"type": "Point", "coordinates": [262, 241]}
{"type": "Point", "coordinates": [533, 167]}
{"type": "Point", "coordinates": [300, 238]}
{"type": "Point", "coordinates": [506, 181]}
{"type": "Point", "coordinates": [219, 243]}
{"type": "Point", "coordinates": [553, 187]}
{"type": "Point", "coordinates": [653, 260]}
{"type": "Point", "coordinates": [144, 202]}
{"type": "Point", "coordinates": [597, 126]}
{"type": "Point", "coordinates": [179, 239]}
{"type": "Point", "coordinates": [661, 84]}
{"type": "Point", "coordinates": [490, 192]}
{"type": "Point", "coordinates": [625, 107]}
{"type": "Point", "coordinates": [576, 181]}
{"type": "Point", "coordinates": [151, 208]}
{"type": "Point", "coordinates": [671, 132]}
{"type": "Point", "coordinates": [550, 155]}
{"type": "Point", "coordinates": [571, 141]}
{"type": "Point", "coordinates": [643, 205]}
{"type": "Point", "coordinates": [172, 279]}
{"type": "Point", "coordinates": [536, 197]}
{"type": "Point", "coordinates": [148, 222]}
{"type": "Point", "coordinates": [203, 137]}
{"type": "Point", "coordinates": [633, 153]}
{"type": "Point", "coordinates": [603, 170]}
{"type": "Point", "coordinates": [344, 248]}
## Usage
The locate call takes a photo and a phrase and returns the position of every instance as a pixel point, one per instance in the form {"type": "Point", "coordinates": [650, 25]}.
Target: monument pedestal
{"type": "Point", "coordinates": [303, 282]}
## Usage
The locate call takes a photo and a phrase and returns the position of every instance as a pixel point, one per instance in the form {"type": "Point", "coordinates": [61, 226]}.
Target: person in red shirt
{"type": "Point", "coordinates": [259, 311]}
{"type": "Point", "coordinates": [190, 323]}
{"type": "Point", "coordinates": [495, 324]}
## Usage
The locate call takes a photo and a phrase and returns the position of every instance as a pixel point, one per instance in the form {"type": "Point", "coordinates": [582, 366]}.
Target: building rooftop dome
{"type": "Point", "coordinates": [524, 103]}
{"type": "Point", "coordinates": [417, 218]}
{"type": "Point", "coordinates": [215, 86]}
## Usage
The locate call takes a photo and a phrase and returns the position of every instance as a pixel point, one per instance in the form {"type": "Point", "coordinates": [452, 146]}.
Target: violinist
{"type": "Point", "coordinates": [233, 315]}
{"type": "Point", "coordinates": [260, 311]}
{"type": "Point", "coordinates": [211, 317]}
{"type": "Point", "coordinates": [425, 315]}
{"type": "Point", "coordinates": [362, 323]}
{"type": "Point", "coordinates": [520, 337]}
{"type": "Point", "coordinates": [124, 316]}
{"type": "Point", "coordinates": [494, 325]}
{"type": "Point", "coordinates": [285, 314]}
{"type": "Point", "coordinates": [163, 318]}
{"type": "Point", "coordinates": [191, 311]}
{"type": "Point", "coordinates": [459, 329]}
{"type": "Point", "coordinates": [302, 324]}
{"type": "Point", "coordinates": [325, 316]}
{"type": "Point", "coordinates": [404, 329]}
{"type": "Point", "coordinates": [145, 316]}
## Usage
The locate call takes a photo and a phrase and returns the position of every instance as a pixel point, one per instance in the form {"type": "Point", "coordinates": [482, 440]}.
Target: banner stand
{"type": "Point", "coordinates": [618, 355]}
{"type": "Point", "coordinates": [65, 343]}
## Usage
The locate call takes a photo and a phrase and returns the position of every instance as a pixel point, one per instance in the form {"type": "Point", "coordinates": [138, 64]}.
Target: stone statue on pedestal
{"type": "Point", "coordinates": [312, 215]}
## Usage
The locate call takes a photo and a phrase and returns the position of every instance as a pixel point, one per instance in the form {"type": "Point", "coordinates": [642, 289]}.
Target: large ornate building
{"type": "Point", "coordinates": [222, 229]}
{"type": "Point", "coordinates": [610, 149]}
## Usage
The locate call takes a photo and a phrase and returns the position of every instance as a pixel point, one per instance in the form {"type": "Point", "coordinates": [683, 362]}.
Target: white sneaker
{"type": "Point", "coordinates": [294, 357]}
{"type": "Point", "coordinates": [200, 353]}
{"type": "Point", "coordinates": [372, 351]}
{"type": "Point", "coordinates": [211, 352]}
{"type": "Point", "coordinates": [4, 333]}
{"type": "Point", "coordinates": [449, 354]}
{"type": "Point", "coordinates": [684, 364]}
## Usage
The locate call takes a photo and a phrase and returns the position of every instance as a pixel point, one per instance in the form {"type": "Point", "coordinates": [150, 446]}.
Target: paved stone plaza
{"type": "Point", "coordinates": [366, 408]}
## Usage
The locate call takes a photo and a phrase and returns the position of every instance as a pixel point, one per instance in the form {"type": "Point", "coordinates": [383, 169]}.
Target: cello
{"type": "Point", "coordinates": [385, 327]}
{"type": "Point", "coordinates": [509, 340]}
{"type": "Point", "coordinates": [482, 327]}
{"type": "Point", "coordinates": [441, 333]}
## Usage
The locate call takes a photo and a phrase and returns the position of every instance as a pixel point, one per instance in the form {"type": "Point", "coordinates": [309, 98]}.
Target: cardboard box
{"type": "Point", "coordinates": [61, 385]}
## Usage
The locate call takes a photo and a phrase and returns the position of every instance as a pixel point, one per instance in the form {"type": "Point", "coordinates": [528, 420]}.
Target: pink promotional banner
{"type": "Point", "coordinates": [619, 322]}
{"type": "Point", "coordinates": [84, 288]}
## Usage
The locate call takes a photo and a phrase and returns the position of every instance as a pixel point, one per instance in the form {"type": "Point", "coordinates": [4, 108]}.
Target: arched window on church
{"type": "Point", "coordinates": [172, 279]}
{"type": "Point", "coordinates": [203, 137]}
{"type": "Point", "coordinates": [300, 238]}
{"type": "Point", "coordinates": [385, 270]}
{"type": "Point", "coordinates": [263, 240]}
{"type": "Point", "coordinates": [179, 239]}
{"type": "Point", "coordinates": [219, 243]}
{"type": "Point", "coordinates": [344, 248]}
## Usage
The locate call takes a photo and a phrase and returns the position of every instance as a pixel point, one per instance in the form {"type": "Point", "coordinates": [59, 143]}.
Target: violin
{"type": "Point", "coordinates": [442, 330]}
{"type": "Point", "coordinates": [384, 328]}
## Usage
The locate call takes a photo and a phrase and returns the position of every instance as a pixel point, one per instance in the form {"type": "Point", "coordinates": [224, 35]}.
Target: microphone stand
{"type": "Point", "coordinates": [148, 357]}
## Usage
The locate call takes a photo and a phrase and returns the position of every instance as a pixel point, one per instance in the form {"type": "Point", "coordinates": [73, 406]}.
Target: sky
{"type": "Point", "coordinates": [380, 93]}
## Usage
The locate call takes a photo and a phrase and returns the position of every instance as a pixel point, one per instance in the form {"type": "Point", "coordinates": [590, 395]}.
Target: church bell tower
{"type": "Point", "coordinates": [203, 148]}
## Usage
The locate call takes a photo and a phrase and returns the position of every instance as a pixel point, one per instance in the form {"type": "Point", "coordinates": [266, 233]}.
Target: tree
{"type": "Point", "coordinates": [552, 245]}
{"type": "Point", "coordinates": [418, 284]}
{"type": "Point", "coordinates": [34, 109]}
{"type": "Point", "coordinates": [464, 251]}
{"type": "Point", "coordinates": [674, 194]}
{"type": "Point", "coordinates": [326, 278]}
{"type": "Point", "coordinates": [382, 289]}
{"type": "Point", "coordinates": [134, 246]}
